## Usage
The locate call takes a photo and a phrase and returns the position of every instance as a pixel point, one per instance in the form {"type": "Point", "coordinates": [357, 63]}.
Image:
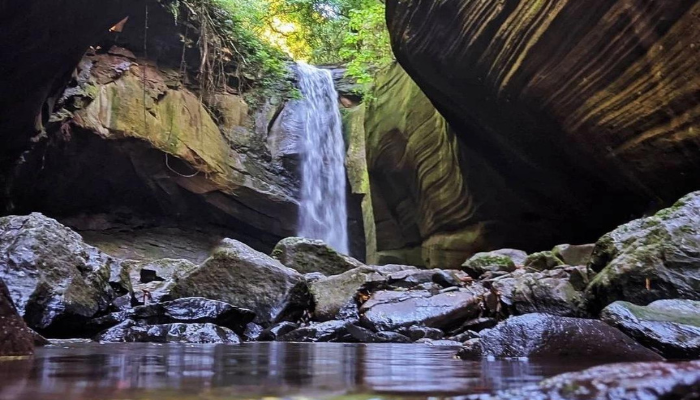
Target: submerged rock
{"type": "Point", "coordinates": [639, 381]}
{"type": "Point", "coordinates": [131, 331]}
{"type": "Point", "coordinates": [16, 339]}
{"type": "Point", "coordinates": [243, 277]}
{"type": "Point", "coordinates": [669, 327]}
{"type": "Point", "coordinates": [547, 336]}
{"type": "Point", "coordinates": [390, 310]}
{"type": "Point", "coordinates": [308, 255]}
{"type": "Point", "coordinates": [56, 281]}
{"type": "Point", "coordinates": [504, 260]}
{"type": "Point", "coordinates": [650, 259]}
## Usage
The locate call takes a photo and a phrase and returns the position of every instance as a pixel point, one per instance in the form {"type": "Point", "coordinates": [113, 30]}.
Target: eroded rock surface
{"type": "Point", "coordinates": [588, 112]}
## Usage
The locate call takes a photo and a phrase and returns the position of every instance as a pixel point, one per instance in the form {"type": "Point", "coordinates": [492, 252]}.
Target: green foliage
{"type": "Point", "coordinates": [258, 33]}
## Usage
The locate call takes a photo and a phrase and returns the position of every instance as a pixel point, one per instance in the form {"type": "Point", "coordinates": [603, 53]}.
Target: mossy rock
{"type": "Point", "coordinates": [649, 259]}
{"type": "Point", "coordinates": [542, 261]}
{"type": "Point", "coordinates": [504, 260]}
{"type": "Point", "coordinates": [307, 256]}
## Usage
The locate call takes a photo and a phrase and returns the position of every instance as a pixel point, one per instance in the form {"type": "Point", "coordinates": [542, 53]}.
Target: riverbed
{"type": "Point", "coordinates": [257, 370]}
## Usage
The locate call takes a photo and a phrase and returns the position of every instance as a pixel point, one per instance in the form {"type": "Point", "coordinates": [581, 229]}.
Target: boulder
{"type": "Point", "coordinates": [649, 259]}
{"type": "Point", "coordinates": [16, 339]}
{"type": "Point", "coordinates": [545, 336]}
{"type": "Point", "coordinates": [308, 256]}
{"type": "Point", "coordinates": [56, 281]}
{"type": "Point", "coordinates": [422, 332]}
{"type": "Point", "coordinates": [391, 310]}
{"type": "Point", "coordinates": [329, 331]}
{"type": "Point", "coordinates": [542, 260]}
{"type": "Point", "coordinates": [152, 280]}
{"type": "Point", "coordinates": [132, 331]}
{"type": "Point", "coordinates": [639, 381]}
{"type": "Point", "coordinates": [243, 277]}
{"type": "Point", "coordinates": [333, 293]}
{"type": "Point", "coordinates": [557, 292]}
{"type": "Point", "coordinates": [574, 254]}
{"type": "Point", "coordinates": [504, 260]}
{"type": "Point", "coordinates": [669, 327]}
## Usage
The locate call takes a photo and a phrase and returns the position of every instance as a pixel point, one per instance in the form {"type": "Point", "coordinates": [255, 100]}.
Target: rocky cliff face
{"type": "Point", "coordinates": [429, 208]}
{"type": "Point", "coordinates": [588, 111]}
{"type": "Point", "coordinates": [132, 132]}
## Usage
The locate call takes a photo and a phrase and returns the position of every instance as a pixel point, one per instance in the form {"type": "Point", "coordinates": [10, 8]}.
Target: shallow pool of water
{"type": "Point", "coordinates": [256, 370]}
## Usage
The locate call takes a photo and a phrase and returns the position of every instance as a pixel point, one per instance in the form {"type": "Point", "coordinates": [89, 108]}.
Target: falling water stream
{"type": "Point", "coordinates": [323, 213]}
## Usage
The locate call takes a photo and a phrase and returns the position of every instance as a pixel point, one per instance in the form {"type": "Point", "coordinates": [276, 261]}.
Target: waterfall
{"type": "Point", "coordinates": [323, 213]}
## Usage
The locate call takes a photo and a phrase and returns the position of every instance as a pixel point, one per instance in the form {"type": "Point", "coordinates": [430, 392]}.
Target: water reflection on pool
{"type": "Point", "coordinates": [152, 371]}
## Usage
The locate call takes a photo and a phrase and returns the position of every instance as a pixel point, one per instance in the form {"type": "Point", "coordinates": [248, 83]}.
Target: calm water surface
{"type": "Point", "coordinates": [257, 370]}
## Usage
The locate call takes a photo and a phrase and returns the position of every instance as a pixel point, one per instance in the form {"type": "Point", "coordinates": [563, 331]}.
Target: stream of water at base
{"type": "Point", "coordinates": [260, 370]}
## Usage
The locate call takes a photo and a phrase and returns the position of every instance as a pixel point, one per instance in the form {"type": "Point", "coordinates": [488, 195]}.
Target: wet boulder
{"type": "Point", "coordinates": [16, 339]}
{"type": "Point", "coordinates": [329, 331]}
{"type": "Point", "coordinates": [557, 292]}
{"type": "Point", "coordinates": [391, 310]}
{"type": "Point", "coordinates": [152, 280]}
{"type": "Point", "coordinates": [504, 260]}
{"type": "Point", "coordinates": [308, 255]}
{"type": "Point", "coordinates": [649, 259]}
{"type": "Point", "coordinates": [56, 281]}
{"type": "Point", "coordinates": [669, 327]}
{"type": "Point", "coordinates": [546, 336]}
{"type": "Point", "coordinates": [574, 254]}
{"type": "Point", "coordinates": [132, 331]}
{"type": "Point", "coordinates": [640, 381]}
{"type": "Point", "coordinates": [423, 332]}
{"type": "Point", "coordinates": [332, 294]}
{"type": "Point", "coordinates": [243, 277]}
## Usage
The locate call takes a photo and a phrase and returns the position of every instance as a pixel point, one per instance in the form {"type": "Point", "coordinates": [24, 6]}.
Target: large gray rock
{"type": "Point", "coordinates": [156, 278]}
{"type": "Point", "coordinates": [504, 260]}
{"type": "Point", "coordinates": [16, 339]}
{"type": "Point", "coordinates": [391, 310]}
{"type": "Point", "coordinates": [56, 281]}
{"type": "Point", "coordinates": [574, 254]}
{"type": "Point", "coordinates": [649, 259]}
{"type": "Point", "coordinates": [132, 331]}
{"type": "Point", "coordinates": [331, 294]}
{"type": "Point", "coordinates": [638, 381]}
{"type": "Point", "coordinates": [243, 277]}
{"type": "Point", "coordinates": [308, 255]}
{"type": "Point", "coordinates": [670, 327]}
{"type": "Point", "coordinates": [547, 336]}
{"type": "Point", "coordinates": [556, 292]}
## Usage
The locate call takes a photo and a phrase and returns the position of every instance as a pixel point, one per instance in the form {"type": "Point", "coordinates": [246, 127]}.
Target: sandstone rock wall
{"type": "Point", "coordinates": [590, 111]}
